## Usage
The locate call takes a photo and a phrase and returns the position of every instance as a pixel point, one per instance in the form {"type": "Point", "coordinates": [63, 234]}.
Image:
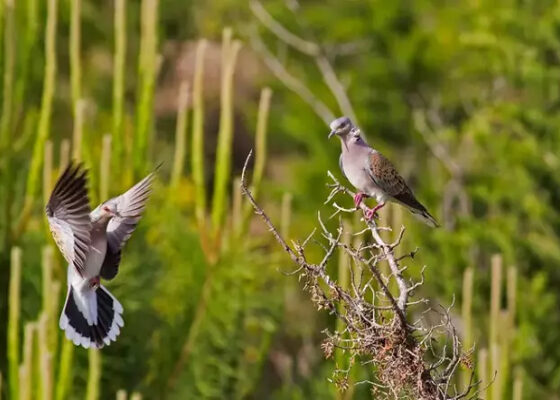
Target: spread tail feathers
{"type": "Point", "coordinates": [91, 318]}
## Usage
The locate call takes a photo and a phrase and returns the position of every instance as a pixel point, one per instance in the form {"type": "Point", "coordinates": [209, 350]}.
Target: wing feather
{"type": "Point", "coordinates": [386, 176]}
{"type": "Point", "coordinates": [130, 206]}
{"type": "Point", "coordinates": [68, 215]}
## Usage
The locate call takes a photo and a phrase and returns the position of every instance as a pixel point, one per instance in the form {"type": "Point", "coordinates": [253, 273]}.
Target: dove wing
{"type": "Point", "coordinates": [130, 206]}
{"type": "Point", "coordinates": [385, 175]}
{"type": "Point", "coordinates": [68, 215]}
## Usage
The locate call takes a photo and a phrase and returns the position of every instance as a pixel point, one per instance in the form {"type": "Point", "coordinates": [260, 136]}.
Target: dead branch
{"type": "Point", "coordinates": [309, 48]}
{"type": "Point", "coordinates": [408, 359]}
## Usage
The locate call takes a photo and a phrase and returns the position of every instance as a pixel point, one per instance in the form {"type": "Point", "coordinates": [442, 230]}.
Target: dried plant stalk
{"type": "Point", "coordinates": [225, 135]}
{"type": "Point", "coordinates": [197, 147]}
{"type": "Point", "coordinates": [373, 325]}
{"type": "Point", "coordinates": [180, 134]}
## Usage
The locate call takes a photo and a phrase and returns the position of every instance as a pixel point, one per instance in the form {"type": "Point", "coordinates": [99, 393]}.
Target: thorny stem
{"type": "Point", "coordinates": [403, 353]}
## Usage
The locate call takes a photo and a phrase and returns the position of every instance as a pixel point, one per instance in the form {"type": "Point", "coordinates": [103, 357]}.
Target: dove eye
{"type": "Point", "coordinates": [105, 208]}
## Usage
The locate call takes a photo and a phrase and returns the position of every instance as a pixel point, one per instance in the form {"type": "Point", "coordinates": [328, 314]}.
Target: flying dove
{"type": "Point", "coordinates": [92, 242]}
{"type": "Point", "coordinates": [373, 174]}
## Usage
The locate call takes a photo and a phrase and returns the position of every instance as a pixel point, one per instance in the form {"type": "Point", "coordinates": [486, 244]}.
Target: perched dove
{"type": "Point", "coordinates": [91, 242]}
{"type": "Point", "coordinates": [372, 174]}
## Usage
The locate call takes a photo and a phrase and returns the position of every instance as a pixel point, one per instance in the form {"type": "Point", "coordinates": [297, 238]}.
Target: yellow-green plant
{"type": "Point", "coordinates": [43, 128]}
{"type": "Point", "coordinates": [75, 60]}
{"type": "Point", "coordinates": [13, 321]}
{"type": "Point", "coordinates": [197, 147]}
{"type": "Point", "coordinates": [118, 78]}
{"type": "Point", "coordinates": [147, 70]}
{"type": "Point", "coordinates": [180, 134]}
{"type": "Point", "coordinates": [225, 135]}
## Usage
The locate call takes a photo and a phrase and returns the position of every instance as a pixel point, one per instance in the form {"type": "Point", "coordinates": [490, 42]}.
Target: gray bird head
{"type": "Point", "coordinates": [341, 127]}
{"type": "Point", "coordinates": [104, 212]}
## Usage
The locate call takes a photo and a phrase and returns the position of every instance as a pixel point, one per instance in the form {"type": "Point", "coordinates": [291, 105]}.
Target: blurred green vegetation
{"type": "Point", "coordinates": [463, 97]}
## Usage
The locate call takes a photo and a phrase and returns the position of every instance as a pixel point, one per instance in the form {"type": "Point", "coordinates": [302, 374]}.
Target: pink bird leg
{"type": "Point", "coordinates": [94, 282]}
{"type": "Point", "coordinates": [372, 212]}
{"type": "Point", "coordinates": [358, 197]}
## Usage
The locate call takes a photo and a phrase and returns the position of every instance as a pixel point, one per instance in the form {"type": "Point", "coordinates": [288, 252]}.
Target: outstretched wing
{"type": "Point", "coordinates": [68, 215]}
{"type": "Point", "coordinates": [385, 175]}
{"type": "Point", "coordinates": [129, 206]}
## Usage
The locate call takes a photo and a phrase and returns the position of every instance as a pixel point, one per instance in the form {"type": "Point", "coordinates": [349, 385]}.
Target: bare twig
{"type": "Point", "coordinates": [309, 48]}
{"type": "Point", "coordinates": [406, 357]}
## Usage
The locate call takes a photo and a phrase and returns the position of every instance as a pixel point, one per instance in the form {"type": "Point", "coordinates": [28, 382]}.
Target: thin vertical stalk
{"type": "Point", "coordinates": [286, 214]}
{"type": "Point", "coordinates": [48, 302]}
{"type": "Point", "coordinates": [105, 168]}
{"type": "Point", "coordinates": [483, 373]}
{"type": "Point", "coordinates": [261, 138]}
{"type": "Point", "coordinates": [78, 132]}
{"type": "Point", "coordinates": [45, 114]}
{"type": "Point", "coordinates": [6, 120]}
{"type": "Point", "coordinates": [466, 312]}
{"type": "Point", "coordinates": [94, 374]}
{"type": "Point", "coordinates": [225, 135]}
{"type": "Point", "coordinates": [45, 359]}
{"type": "Point", "coordinates": [237, 202]}
{"type": "Point", "coordinates": [47, 171]}
{"type": "Point", "coordinates": [8, 79]}
{"type": "Point", "coordinates": [496, 387]}
{"type": "Point", "coordinates": [65, 370]}
{"type": "Point", "coordinates": [344, 265]}
{"type": "Point", "coordinates": [53, 326]}
{"type": "Point", "coordinates": [197, 157]}
{"type": "Point", "coordinates": [13, 320]}
{"type": "Point", "coordinates": [180, 134]}
{"type": "Point", "coordinates": [75, 60]}
{"type": "Point", "coordinates": [24, 392]}
{"type": "Point", "coordinates": [26, 372]}
{"type": "Point", "coordinates": [495, 296]}
{"type": "Point", "coordinates": [518, 384]}
{"type": "Point", "coordinates": [118, 78]}
{"type": "Point", "coordinates": [64, 154]}
{"type": "Point", "coordinates": [147, 68]}
{"type": "Point", "coordinates": [261, 151]}
{"type": "Point", "coordinates": [512, 293]}
{"type": "Point", "coordinates": [25, 52]}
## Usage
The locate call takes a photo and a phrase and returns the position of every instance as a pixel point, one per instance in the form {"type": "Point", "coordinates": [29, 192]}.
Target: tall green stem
{"type": "Point", "coordinates": [225, 135]}
{"type": "Point", "coordinates": [75, 41]}
{"type": "Point", "coordinates": [45, 114]}
{"type": "Point", "coordinates": [147, 68]}
{"type": "Point", "coordinates": [94, 375]}
{"type": "Point", "coordinates": [197, 157]}
{"type": "Point", "coordinates": [13, 321]}
{"type": "Point", "coordinates": [118, 79]}
{"type": "Point", "coordinates": [180, 134]}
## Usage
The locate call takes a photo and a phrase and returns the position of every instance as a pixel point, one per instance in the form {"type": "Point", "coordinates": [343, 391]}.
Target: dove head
{"type": "Point", "coordinates": [104, 212]}
{"type": "Point", "coordinates": [341, 127]}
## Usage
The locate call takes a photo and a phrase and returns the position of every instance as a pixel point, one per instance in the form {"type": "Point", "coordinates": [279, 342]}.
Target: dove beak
{"type": "Point", "coordinates": [332, 133]}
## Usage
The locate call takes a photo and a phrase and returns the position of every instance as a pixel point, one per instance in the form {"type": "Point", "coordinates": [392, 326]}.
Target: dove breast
{"type": "Point", "coordinates": [354, 168]}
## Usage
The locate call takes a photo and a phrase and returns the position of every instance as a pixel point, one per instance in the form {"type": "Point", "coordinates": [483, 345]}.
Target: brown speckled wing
{"type": "Point", "coordinates": [388, 179]}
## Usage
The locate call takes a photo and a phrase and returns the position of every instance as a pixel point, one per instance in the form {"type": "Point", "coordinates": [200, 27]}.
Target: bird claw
{"type": "Point", "coordinates": [358, 197]}
{"type": "Point", "coordinates": [94, 282]}
{"type": "Point", "coordinates": [370, 213]}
